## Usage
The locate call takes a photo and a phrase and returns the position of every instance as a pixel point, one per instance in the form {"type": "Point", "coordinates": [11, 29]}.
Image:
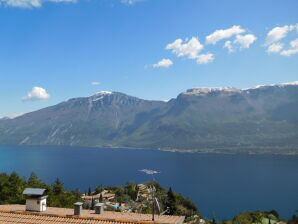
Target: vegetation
{"type": "Point", "coordinates": [170, 202]}
{"type": "Point", "coordinates": [259, 217]}
{"type": "Point", "coordinates": [12, 186]}
{"type": "Point", "coordinates": [293, 220]}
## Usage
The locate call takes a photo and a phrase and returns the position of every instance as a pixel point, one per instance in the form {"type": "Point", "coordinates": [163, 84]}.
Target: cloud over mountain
{"type": "Point", "coordinates": [275, 35]}
{"type": "Point", "coordinates": [37, 93]}
{"type": "Point", "coordinates": [190, 48]}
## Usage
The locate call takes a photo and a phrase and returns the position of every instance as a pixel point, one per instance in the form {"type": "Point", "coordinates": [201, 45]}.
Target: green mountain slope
{"type": "Point", "coordinates": [257, 120]}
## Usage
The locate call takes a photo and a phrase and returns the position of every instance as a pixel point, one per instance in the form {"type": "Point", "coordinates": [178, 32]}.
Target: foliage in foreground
{"type": "Point", "coordinates": [258, 217]}
{"type": "Point", "coordinates": [12, 186]}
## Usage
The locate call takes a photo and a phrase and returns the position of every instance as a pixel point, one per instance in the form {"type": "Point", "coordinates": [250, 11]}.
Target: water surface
{"type": "Point", "coordinates": [223, 185]}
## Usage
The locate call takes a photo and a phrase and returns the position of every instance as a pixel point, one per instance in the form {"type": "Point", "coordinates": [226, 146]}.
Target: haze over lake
{"type": "Point", "coordinates": [219, 184]}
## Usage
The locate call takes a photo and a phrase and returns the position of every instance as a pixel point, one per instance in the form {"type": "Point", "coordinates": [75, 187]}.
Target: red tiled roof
{"type": "Point", "coordinates": [17, 214]}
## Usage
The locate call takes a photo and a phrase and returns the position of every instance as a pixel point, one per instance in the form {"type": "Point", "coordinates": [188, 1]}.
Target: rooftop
{"type": "Point", "coordinates": [17, 214]}
{"type": "Point", "coordinates": [34, 191]}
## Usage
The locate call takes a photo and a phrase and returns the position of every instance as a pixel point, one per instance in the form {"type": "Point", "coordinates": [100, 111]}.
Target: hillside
{"type": "Point", "coordinates": [262, 119]}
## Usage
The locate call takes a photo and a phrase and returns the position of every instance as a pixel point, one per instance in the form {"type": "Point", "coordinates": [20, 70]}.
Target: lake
{"type": "Point", "coordinates": [221, 185]}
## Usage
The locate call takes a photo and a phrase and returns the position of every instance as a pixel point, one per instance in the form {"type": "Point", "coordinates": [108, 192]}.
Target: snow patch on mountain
{"type": "Point", "coordinates": [207, 90]}
{"type": "Point", "coordinates": [100, 95]}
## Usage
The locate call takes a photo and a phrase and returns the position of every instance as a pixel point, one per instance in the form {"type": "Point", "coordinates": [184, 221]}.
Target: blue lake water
{"type": "Point", "coordinates": [223, 185]}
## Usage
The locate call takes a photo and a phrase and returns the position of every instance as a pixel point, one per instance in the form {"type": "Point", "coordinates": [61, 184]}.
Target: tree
{"type": "Point", "coordinates": [92, 204]}
{"type": "Point", "coordinates": [58, 187]}
{"type": "Point", "coordinates": [275, 213]}
{"type": "Point", "coordinates": [213, 221]}
{"type": "Point", "coordinates": [15, 188]}
{"type": "Point", "coordinates": [293, 220]}
{"type": "Point", "coordinates": [99, 189]}
{"type": "Point", "coordinates": [100, 198]}
{"type": "Point", "coordinates": [132, 190]}
{"type": "Point", "coordinates": [76, 194]}
{"type": "Point", "coordinates": [89, 191]}
{"type": "Point", "coordinates": [171, 202]}
{"type": "Point", "coordinates": [35, 182]}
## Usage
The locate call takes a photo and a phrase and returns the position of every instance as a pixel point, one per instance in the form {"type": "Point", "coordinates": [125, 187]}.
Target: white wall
{"type": "Point", "coordinates": [36, 205]}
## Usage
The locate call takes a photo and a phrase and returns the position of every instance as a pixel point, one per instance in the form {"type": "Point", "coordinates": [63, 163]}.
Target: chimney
{"type": "Point", "coordinates": [99, 208]}
{"type": "Point", "coordinates": [78, 208]}
{"type": "Point", "coordinates": [35, 199]}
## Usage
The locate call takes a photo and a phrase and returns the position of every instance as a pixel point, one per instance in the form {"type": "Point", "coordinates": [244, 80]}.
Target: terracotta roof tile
{"type": "Point", "coordinates": [17, 214]}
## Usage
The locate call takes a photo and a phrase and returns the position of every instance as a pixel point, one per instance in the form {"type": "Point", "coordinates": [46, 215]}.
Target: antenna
{"type": "Point", "coordinates": [155, 203]}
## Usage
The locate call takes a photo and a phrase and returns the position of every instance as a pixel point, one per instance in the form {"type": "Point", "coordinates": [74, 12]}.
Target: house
{"type": "Point", "coordinates": [104, 196]}
{"type": "Point", "coordinates": [15, 214]}
{"type": "Point", "coordinates": [35, 199]}
{"type": "Point", "coordinates": [35, 211]}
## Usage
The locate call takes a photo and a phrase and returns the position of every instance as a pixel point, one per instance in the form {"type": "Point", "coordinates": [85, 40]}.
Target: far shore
{"type": "Point", "coordinates": [223, 151]}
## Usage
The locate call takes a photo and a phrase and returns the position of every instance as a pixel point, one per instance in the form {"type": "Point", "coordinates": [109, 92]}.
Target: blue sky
{"type": "Point", "coordinates": [153, 49]}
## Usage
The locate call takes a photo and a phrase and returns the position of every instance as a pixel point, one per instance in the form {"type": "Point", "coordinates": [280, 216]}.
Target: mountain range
{"type": "Point", "coordinates": [262, 119]}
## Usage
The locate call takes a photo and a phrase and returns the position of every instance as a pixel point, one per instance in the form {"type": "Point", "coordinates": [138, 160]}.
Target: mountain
{"type": "Point", "coordinates": [262, 119]}
{"type": "Point", "coordinates": [4, 118]}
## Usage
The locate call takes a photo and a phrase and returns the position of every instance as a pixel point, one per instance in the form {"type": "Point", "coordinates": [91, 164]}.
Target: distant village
{"type": "Point", "coordinates": [142, 200]}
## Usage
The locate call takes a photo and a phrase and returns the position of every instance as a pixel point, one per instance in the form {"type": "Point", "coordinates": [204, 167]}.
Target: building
{"type": "Point", "coordinates": [36, 200]}
{"type": "Point", "coordinates": [36, 212]}
{"type": "Point", "coordinates": [103, 196]}
{"type": "Point", "coordinates": [13, 214]}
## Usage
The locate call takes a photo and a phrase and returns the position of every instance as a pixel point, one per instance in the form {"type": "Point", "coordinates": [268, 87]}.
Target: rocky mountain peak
{"type": "Point", "coordinates": [208, 90]}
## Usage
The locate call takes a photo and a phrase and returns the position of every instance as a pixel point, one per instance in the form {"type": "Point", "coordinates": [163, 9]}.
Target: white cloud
{"type": "Point", "coordinates": [30, 3]}
{"type": "Point", "coordinates": [292, 50]}
{"type": "Point", "coordinates": [289, 52]}
{"type": "Point", "coordinates": [205, 58]}
{"type": "Point", "coordinates": [245, 40]}
{"type": "Point", "coordinates": [294, 43]}
{"type": "Point", "coordinates": [241, 41]}
{"type": "Point", "coordinates": [278, 33]}
{"type": "Point", "coordinates": [165, 63]}
{"type": "Point", "coordinates": [190, 48]}
{"type": "Point", "coordinates": [228, 44]}
{"type": "Point", "coordinates": [95, 83]}
{"type": "Point", "coordinates": [275, 48]}
{"type": "Point", "coordinates": [37, 93]}
{"type": "Point", "coordinates": [131, 2]}
{"type": "Point", "coordinates": [223, 34]}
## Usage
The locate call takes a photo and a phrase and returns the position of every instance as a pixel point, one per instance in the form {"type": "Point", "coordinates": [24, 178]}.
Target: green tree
{"type": "Point", "coordinates": [100, 198]}
{"type": "Point", "coordinates": [35, 182]}
{"type": "Point", "coordinates": [275, 213]}
{"type": "Point", "coordinates": [76, 194]}
{"type": "Point", "coordinates": [58, 187]}
{"type": "Point", "coordinates": [15, 188]}
{"type": "Point", "coordinates": [171, 202]}
{"type": "Point", "coordinates": [293, 220]}
{"type": "Point", "coordinates": [92, 204]}
{"type": "Point", "coordinates": [213, 221]}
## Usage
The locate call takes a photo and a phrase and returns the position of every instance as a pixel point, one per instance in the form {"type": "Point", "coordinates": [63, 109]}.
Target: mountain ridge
{"type": "Point", "coordinates": [262, 119]}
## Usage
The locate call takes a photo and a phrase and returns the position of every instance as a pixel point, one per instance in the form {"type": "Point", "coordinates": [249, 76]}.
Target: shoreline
{"type": "Point", "coordinates": [174, 150]}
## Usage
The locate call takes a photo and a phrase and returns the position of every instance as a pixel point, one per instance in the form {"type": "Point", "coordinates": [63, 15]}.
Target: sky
{"type": "Point", "coordinates": [54, 50]}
